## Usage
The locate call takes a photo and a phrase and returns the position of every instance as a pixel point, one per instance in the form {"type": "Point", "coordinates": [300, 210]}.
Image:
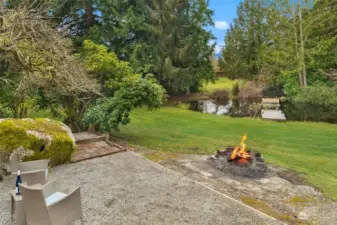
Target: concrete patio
{"type": "Point", "coordinates": [125, 188]}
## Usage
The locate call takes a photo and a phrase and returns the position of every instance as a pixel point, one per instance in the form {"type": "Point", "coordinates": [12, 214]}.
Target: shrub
{"type": "Point", "coordinates": [272, 92]}
{"type": "Point", "coordinates": [316, 103]}
{"type": "Point", "coordinates": [45, 138]}
{"type": "Point", "coordinates": [183, 105]}
{"type": "Point", "coordinates": [244, 107]}
{"type": "Point", "coordinates": [235, 90]}
{"type": "Point", "coordinates": [255, 109]}
{"type": "Point", "coordinates": [236, 109]}
{"type": "Point", "coordinates": [4, 111]}
{"type": "Point", "coordinates": [252, 90]}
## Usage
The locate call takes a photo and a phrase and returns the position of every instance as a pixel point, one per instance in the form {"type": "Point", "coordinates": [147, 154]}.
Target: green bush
{"type": "Point", "coordinates": [235, 90]}
{"type": "Point", "coordinates": [13, 134]}
{"type": "Point", "coordinates": [183, 105]}
{"type": "Point", "coordinates": [315, 103]}
{"type": "Point", "coordinates": [290, 81]}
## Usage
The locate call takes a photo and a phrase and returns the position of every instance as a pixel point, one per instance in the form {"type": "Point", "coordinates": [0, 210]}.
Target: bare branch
{"type": "Point", "coordinates": [40, 53]}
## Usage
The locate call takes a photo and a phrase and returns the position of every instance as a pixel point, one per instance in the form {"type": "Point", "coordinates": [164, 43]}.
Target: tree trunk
{"type": "Point", "coordinates": [188, 92]}
{"type": "Point", "coordinates": [300, 76]}
{"type": "Point", "coordinates": [304, 76]}
{"type": "Point", "coordinates": [89, 15]}
{"type": "Point", "coordinates": [299, 48]}
{"type": "Point", "coordinates": [76, 126]}
{"type": "Point", "coordinates": [303, 66]}
{"type": "Point", "coordinates": [296, 45]}
{"type": "Point", "coordinates": [23, 112]}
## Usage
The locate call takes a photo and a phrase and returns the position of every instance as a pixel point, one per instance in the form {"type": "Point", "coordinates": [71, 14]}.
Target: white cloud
{"type": "Point", "coordinates": [221, 25]}
{"type": "Point", "coordinates": [218, 46]}
{"type": "Point", "coordinates": [218, 49]}
{"type": "Point", "coordinates": [211, 42]}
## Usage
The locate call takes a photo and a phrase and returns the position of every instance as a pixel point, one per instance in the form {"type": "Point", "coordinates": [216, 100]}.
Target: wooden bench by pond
{"type": "Point", "coordinates": [271, 109]}
{"type": "Point", "coordinates": [271, 103]}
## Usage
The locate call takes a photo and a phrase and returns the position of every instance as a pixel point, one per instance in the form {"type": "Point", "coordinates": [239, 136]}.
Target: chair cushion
{"type": "Point", "coordinates": [54, 198]}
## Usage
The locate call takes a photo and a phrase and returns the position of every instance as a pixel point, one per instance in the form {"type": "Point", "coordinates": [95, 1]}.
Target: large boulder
{"type": "Point", "coordinates": [40, 139]}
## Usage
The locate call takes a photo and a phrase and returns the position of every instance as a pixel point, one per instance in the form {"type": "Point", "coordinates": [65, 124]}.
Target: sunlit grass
{"type": "Point", "coordinates": [220, 84]}
{"type": "Point", "coordinates": [306, 147]}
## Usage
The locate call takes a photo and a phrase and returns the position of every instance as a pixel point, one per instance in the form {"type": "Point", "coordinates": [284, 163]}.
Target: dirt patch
{"type": "Point", "coordinates": [159, 156]}
{"type": "Point", "coordinates": [293, 177]}
{"type": "Point", "coordinates": [263, 207]}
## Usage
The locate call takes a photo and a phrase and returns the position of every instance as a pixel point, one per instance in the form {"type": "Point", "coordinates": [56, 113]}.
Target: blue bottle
{"type": "Point", "coordinates": [18, 181]}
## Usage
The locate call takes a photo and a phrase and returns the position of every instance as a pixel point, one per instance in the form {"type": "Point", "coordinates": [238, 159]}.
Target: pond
{"type": "Point", "coordinates": [222, 106]}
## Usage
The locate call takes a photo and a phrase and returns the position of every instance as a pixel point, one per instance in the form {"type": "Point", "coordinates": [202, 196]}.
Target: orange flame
{"type": "Point", "coordinates": [240, 151]}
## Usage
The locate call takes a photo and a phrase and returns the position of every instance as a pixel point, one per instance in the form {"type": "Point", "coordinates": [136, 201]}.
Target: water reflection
{"type": "Point", "coordinates": [223, 106]}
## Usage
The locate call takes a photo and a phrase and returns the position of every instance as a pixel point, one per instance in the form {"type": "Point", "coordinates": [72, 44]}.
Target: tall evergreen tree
{"type": "Point", "coordinates": [166, 37]}
{"type": "Point", "coordinates": [323, 35]}
{"type": "Point", "coordinates": [244, 41]}
{"type": "Point", "coordinates": [267, 39]}
{"type": "Point", "coordinates": [182, 53]}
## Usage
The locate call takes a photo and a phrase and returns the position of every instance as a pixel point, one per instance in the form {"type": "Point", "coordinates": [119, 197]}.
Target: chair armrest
{"type": "Point", "coordinates": [49, 189]}
{"type": "Point", "coordinates": [67, 209]}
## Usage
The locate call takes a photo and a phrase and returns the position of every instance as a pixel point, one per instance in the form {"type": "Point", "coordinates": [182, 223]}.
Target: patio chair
{"type": "Point", "coordinates": [44, 205]}
{"type": "Point", "coordinates": [31, 171]}
{"type": "Point", "coordinates": [15, 164]}
{"type": "Point", "coordinates": [32, 177]}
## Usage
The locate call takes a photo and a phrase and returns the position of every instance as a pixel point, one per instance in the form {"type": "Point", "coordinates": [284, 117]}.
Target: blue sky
{"type": "Point", "coordinates": [224, 13]}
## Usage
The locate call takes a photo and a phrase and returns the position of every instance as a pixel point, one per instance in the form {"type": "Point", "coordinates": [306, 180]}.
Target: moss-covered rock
{"type": "Point", "coordinates": [44, 138]}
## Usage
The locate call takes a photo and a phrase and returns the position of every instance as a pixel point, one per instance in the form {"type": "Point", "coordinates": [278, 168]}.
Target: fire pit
{"type": "Point", "coordinates": [240, 160]}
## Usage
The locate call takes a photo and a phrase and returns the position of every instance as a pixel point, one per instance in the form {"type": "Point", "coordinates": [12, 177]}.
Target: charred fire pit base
{"type": "Point", "coordinates": [254, 168]}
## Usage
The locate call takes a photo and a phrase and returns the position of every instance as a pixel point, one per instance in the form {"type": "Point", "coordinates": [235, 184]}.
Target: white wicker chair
{"type": "Point", "coordinates": [44, 205]}
{"type": "Point", "coordinates": [15, 164]}
{"type": "Point", "coordinates": [32, 172]}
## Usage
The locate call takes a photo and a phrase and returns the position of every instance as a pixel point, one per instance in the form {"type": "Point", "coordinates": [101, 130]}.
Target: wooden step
{"type": "Point", "coordinates": [88, 137]}
{"type": "Point", "coordinates": [93, 150]}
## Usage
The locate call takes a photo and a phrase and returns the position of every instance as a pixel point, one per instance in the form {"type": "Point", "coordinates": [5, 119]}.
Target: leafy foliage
{"type": "Point", "coordinates": [108, 113]}
{"type": "Point", "coordinates": [269, 39]}
{"type": "Point", "coordinates": [323, 34]}
{"type": "Point", "coordinates": [163, 38]}
{"type": "Point", "coordinates": [317, 103]}
{"type": "Point", "coordinates": [124, 89]}
{"type": "Point", "coordinates": [40, 71]}
{"type": "Point", "coordinates": [182, 105]}
{"type": "Point", "coordinates": [39, 56]}
{"type": "Point", "coordinates": [37, 63]}
{"type": "Point", "coordinates": [244, 40]}
{"type": "Point", "coordinates": [235, 90]}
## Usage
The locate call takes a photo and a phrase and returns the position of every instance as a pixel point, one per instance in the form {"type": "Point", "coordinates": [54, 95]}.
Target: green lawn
{"type": "Point", "coordinates": [305, 147]}
{"type": "Point", "coordinates": [223, 83]}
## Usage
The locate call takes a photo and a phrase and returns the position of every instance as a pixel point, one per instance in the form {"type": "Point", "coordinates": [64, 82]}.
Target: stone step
{"type": "Point", "coordinates": [88, 137]}
{"type": "Point", "coordinates": [93, 150]}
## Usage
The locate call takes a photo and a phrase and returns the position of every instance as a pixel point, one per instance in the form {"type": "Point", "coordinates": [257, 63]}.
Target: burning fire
{"type": "Point", "coordinates": [240, 152]}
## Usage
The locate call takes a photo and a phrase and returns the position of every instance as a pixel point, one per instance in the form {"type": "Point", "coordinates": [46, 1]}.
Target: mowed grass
{"type": "Point", "coordinates": [306, 147]}
{"type": "Point", "coordinates": [220, 84]}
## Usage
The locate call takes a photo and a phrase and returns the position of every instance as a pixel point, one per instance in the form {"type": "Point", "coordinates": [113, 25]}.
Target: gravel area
{"type": "Point", "coordinates": [281, 193]}
{"type": "Point", "coordinates": [127, 189]}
